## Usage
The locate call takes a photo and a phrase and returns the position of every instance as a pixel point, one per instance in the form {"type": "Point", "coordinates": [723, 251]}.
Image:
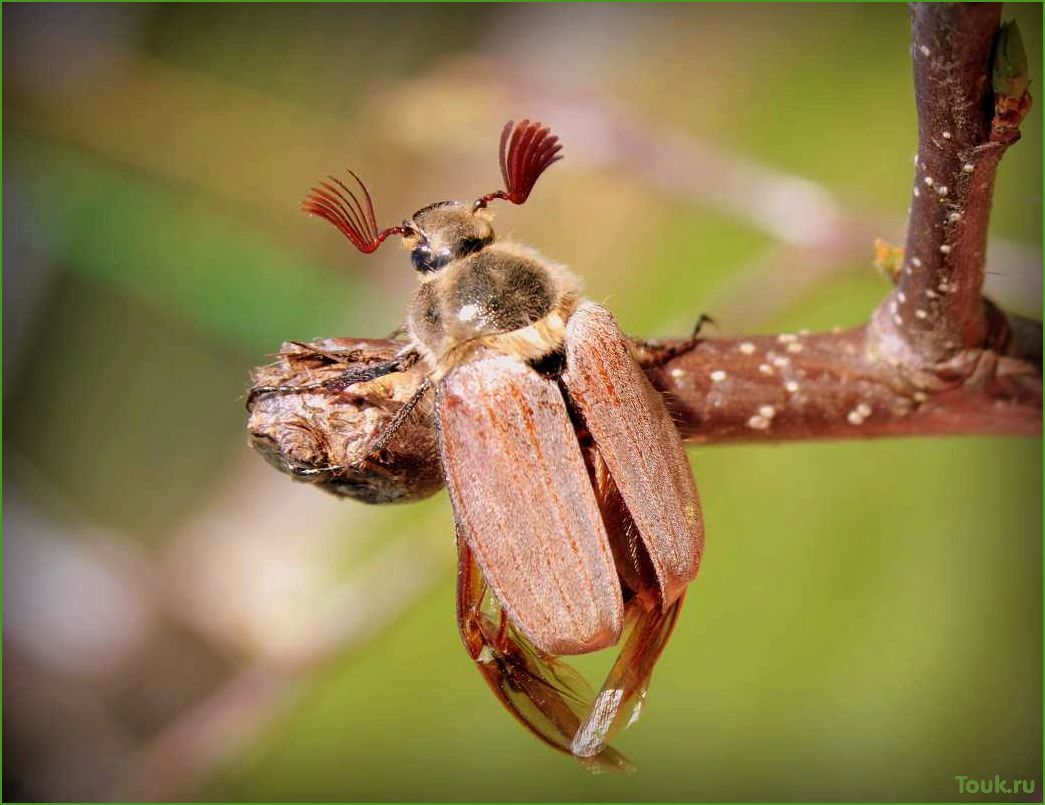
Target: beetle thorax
{"type": "Point", "coordinates": [504, 297]}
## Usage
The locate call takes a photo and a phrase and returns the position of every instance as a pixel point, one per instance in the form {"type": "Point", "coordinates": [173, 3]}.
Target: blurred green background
{"type": "Point", "coordinates": [182, 622]}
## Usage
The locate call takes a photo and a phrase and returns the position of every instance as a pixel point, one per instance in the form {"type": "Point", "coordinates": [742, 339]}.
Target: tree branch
{"type": "Point", "coordinates": [838, 386]}
{"type": "Point", "coordinates": [964, 127]}
{"type": "Point", "coordinates": [785, 387]}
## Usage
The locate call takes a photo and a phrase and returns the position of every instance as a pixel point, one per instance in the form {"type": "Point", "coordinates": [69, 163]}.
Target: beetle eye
{"type": "Point", "coordinates": [421, 257]}
{"type": "Point", "coordinates": [425, 261]}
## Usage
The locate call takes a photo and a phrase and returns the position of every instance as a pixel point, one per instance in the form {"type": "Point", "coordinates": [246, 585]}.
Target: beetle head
{"type": "Point", "coordinates": [445, 231]}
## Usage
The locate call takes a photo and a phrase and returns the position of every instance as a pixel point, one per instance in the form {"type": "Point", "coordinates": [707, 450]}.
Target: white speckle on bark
{"type": "Point", "coordinates": [718, 376]}
{"type": "Point", "coordinates": [758, 422]}
{"type": "Point", "coordinates": [747, 348]}
{"type": "Point", "coordinates": [945, 249]}
{"type": "Point", "coordinates": [859, 414]}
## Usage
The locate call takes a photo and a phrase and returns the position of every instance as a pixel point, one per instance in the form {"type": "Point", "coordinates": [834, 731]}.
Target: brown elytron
{"type": "Point", "coordinates": [523, 502]}
{"type": "Point", "coordinates": [576, 511]}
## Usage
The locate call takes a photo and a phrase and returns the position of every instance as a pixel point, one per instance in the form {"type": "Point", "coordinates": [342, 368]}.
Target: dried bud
{"type": "Point", "coordinates": [326, 437]}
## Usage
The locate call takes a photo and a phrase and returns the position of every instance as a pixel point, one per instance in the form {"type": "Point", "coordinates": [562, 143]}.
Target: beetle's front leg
{"type": "Point", "coordinates": [399, 418]}
{"type": "Point", "coordinates": [359, 374]}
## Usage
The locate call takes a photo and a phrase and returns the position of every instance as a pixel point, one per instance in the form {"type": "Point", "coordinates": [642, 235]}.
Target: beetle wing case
{"type": "Point", "coordinates": [634, 434]}
{"type": "Point", "coordinates": [523, 501]}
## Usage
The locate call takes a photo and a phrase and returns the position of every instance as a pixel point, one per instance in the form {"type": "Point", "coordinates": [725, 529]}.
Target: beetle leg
{"type": "Point", "coordinates": [651, 354]}
{"type": "Point", "coordinates": [397, 422]}
{"type": "Point", "coordinates": [361, 374]}
{"type": "Point", "coordinates": [502, 632]}
{"type": "Point", "coordinates": [308, 472]}
{"type": "Point", "coordinates": [547, 696]}
{"type": "Point", "coordinates": [702, 319]}
{"type": "Point", "coordinates": [330, 355]}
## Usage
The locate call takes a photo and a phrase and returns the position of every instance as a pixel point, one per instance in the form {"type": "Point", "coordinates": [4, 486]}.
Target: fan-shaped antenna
{"type": "Point", "coordinates": [333, 201]}
{"type": "Point", "coordinates": [527, 150]}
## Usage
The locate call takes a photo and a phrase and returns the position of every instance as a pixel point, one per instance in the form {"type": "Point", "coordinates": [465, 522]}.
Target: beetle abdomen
{"type": "Point", "coordinates": [497, 292]}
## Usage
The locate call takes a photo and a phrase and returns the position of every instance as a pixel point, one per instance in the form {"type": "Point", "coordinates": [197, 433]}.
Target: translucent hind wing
{"type": "Point", "coordinates": [619, 702]}
{"type": "Point", "coordinates": [544, 694]}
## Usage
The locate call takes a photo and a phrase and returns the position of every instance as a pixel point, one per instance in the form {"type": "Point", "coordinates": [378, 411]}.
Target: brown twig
{"type": "Point", "coordinates": [839, 386]}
